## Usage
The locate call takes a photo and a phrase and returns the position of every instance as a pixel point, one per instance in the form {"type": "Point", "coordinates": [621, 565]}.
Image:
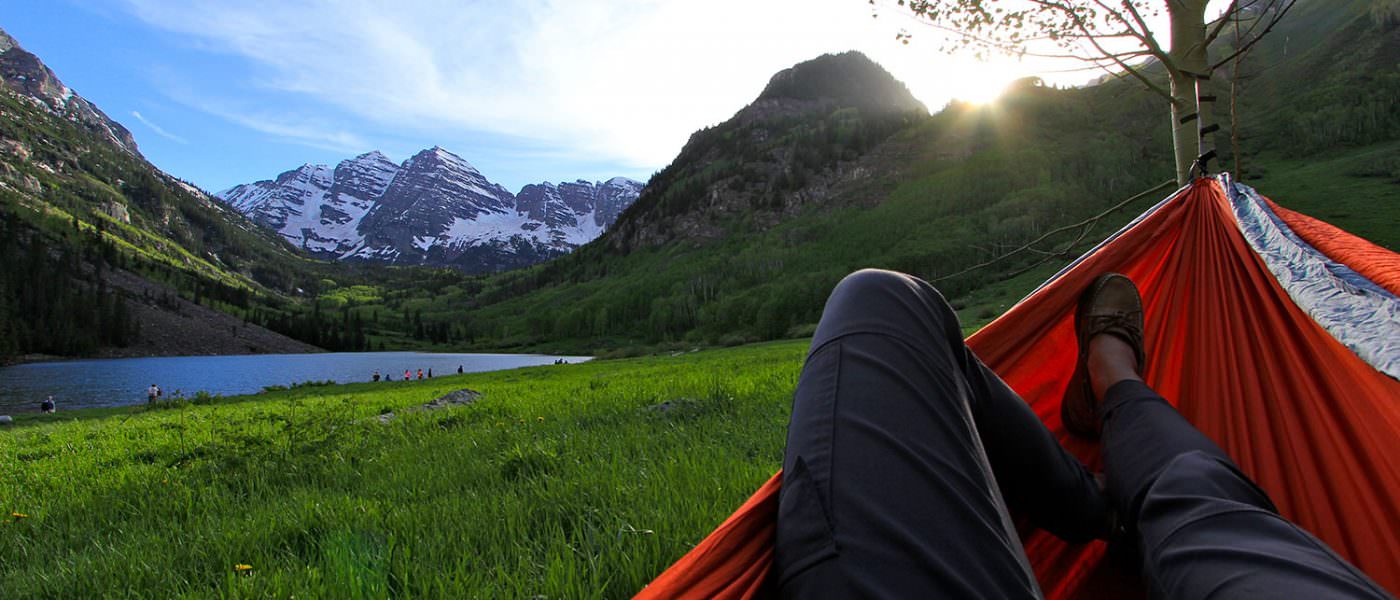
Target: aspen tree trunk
{"type": "Point", "coordinates": [1188, 54]}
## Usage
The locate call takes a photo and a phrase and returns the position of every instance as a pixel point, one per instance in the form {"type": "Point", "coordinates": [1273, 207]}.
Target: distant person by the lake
{"type": "Point", "coordinates": [152, 394]}
{"type": "Point", "coordinates": [420, 373]}
{"type": "Point", "coordinates": [47, 405]}
{"type": "Point", "coordinates": [459, 369]}
{"type": "Point", "coordinates": [430, 372]}
{"type": "Point", "coordinates": [407, 375]}
{"type": "Point", "coordinates": [376, 375]}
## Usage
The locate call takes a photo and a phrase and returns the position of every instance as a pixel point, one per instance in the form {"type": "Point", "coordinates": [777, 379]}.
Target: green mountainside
{"type": "Point", "coordinates": [103, 254]}
{"type": "Point", "coordinates": [792, 148]}
{"type": "Point", "coordinates": [743, 235]}
{"type": "Point", "coordinates": [833, 167]}
{"type": "Point", "coordinates": [584, 480]}
{"type": "Point", "coordinates": [95, 243]}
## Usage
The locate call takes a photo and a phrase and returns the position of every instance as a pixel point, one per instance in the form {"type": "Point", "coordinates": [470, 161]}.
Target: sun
{"type": "Point", "coordinates": [966, 80]}
{"type": "Point", "coordinates": [982, 89]}
{"type": "Point", "coordinates": [981, 82]}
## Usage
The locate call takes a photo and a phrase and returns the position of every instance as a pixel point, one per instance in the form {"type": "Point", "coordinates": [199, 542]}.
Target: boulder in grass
{"type": "Point", "coordinates": [462, 396]}
{"type": "Point", "coordinates": [459, 397]}
{"type": "Point", "coordinates": [6, 420]}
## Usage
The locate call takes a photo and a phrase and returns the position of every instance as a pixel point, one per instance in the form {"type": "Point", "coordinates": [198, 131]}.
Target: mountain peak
{"type": "Point", "coordinates": [309, 170]}
{"type": "Point", "coordinates": [441, 155]}
{"type": "Point", "coordinates": [623, 181]}
{"type": "Point", "coordinates": [849, 79]}
{"type": "Point", "coordinates": [26, 75]}
{"type": "Point", "coordinates": [372, 155]}
{"type": "Point", "coordinates": [309, 173]}
{"type": "Point", "coordinates": [6, 42]}
{"type": "Point", "coordinates": [785, 151]}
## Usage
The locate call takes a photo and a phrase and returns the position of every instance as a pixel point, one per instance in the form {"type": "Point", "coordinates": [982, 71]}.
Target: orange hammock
{"type": "Point", "coordinates": [1272, 332]}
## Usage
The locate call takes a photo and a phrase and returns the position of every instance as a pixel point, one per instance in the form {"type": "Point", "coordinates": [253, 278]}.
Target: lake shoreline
{"type": "Point", "coordinates": [25, 359]}
{"type": "Point", "coordinates": [123, 381]}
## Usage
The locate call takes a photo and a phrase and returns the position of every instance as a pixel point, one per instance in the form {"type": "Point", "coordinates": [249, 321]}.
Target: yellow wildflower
{"type": "Point", "coordinates": [242, 568]}
{"type": "Point", "coordinates": [541, 419]}
{"type": "Point", "coordinates": [19, 515]}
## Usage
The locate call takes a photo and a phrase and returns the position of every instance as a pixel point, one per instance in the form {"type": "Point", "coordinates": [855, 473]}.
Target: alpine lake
{"type": "Point", "coordinates": [91, 383]}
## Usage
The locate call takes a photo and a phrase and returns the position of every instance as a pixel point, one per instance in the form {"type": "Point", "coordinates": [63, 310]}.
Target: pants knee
{"type": "Point", "coordinates": [874, 288]}
{"type": "Point", "coordinates": [889, 295]}
{"type": "Point", "coordinates": [873, 281]}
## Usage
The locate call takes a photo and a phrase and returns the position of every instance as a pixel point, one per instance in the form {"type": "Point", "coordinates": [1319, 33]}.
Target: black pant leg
{"type": "Point", "coordinates": [887, 488]}
{"type": "Point", "coordinates": [1147, 434]}
{"type": "Point", "coordinates": [1038, 477]}
{"type": "Point", "coordinates": [1206, 530]}
{"type": "Point", "coordinates": [886, 492]}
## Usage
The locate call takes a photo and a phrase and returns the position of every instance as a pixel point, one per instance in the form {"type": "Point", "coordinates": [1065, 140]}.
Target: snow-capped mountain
{"type": "Point", "coordinates": [435, 208]}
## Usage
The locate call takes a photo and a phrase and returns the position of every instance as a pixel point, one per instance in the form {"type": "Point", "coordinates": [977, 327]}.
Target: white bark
{"type": "Point", "coordinates": [1188, 56]}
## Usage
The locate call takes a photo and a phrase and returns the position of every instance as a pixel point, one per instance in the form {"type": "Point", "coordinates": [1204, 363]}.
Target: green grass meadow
{"type": "Point", "coordinates": [559, 482]}
{"type": "Point", "coordinates": [1357, 190]}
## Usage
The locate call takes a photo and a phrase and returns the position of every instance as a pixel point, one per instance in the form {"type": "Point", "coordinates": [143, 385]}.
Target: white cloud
{"type": "Point", "coordinates": [297, 131]}
{"type": "Point", "coordinates": [157, 128]}
{"type": "Point", "coordinates": [622, 80]}
{"type": "Point", "coordinates": [306, 131]}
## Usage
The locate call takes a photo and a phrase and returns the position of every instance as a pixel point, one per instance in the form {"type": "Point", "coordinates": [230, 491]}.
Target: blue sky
{"type": "Point", "coordinates": [224, 92]}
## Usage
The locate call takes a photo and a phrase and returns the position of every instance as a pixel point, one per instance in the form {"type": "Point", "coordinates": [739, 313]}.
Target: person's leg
{"type": "Point", "coordinates": [887, 490]}
{"type": "Point", "coordinates": [1204, 529]}
{"type": "Point", "coordinates": [1037, 476]}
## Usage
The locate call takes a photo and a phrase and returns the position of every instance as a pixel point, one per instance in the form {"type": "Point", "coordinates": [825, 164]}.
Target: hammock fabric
{"type": "Point", "coordinates": [1277, 335]}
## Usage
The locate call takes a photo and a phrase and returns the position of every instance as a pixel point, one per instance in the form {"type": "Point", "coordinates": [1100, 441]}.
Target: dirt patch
{"type": "Point", "coordinates": [189, 328]}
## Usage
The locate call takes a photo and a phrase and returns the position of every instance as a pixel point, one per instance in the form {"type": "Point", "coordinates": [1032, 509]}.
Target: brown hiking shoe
{"type": "Point", "coordinates": [1110, 305]}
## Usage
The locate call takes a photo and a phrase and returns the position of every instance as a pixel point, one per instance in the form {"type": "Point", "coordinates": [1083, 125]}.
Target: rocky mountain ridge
{"type": "Point", "coordinates": [794, 148]}
{"type": "Point", "coordinates": [435, 208]}
{"type": "Point", "coordinates": [23, 72]}
{"type": "Point", "coordinates": [107, 255]}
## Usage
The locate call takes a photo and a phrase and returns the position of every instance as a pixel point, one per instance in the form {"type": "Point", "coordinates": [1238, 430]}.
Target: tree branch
{"type": "Point", "coordinates": [1096, 59]}
{"type": "Point", "coordinates": [1087, 222]}
{"type": "Point", "coordinates": [1249, 33]}
{"type": "Point", "coordinates": [1093, 66]}
{"type": "Point", "coordinates": [1118, 16]}
{"type": "Point", "coordinates": [1255, 40]}
{"type": "Point", "coordinates": [1148, 38]}
{"type": "Point", "coordinates": [1063, 252]}
{"type": "Point", "coordinates": [1131, 71]}
{"type": "Point", "coordinates": [1230, 11]}
{"type": "Point", "coordinates": [1010, 49]}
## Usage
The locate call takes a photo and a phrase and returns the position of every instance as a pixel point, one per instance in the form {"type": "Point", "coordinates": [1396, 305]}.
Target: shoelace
{"type": "Point", "coordinates": [1123, 324]}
